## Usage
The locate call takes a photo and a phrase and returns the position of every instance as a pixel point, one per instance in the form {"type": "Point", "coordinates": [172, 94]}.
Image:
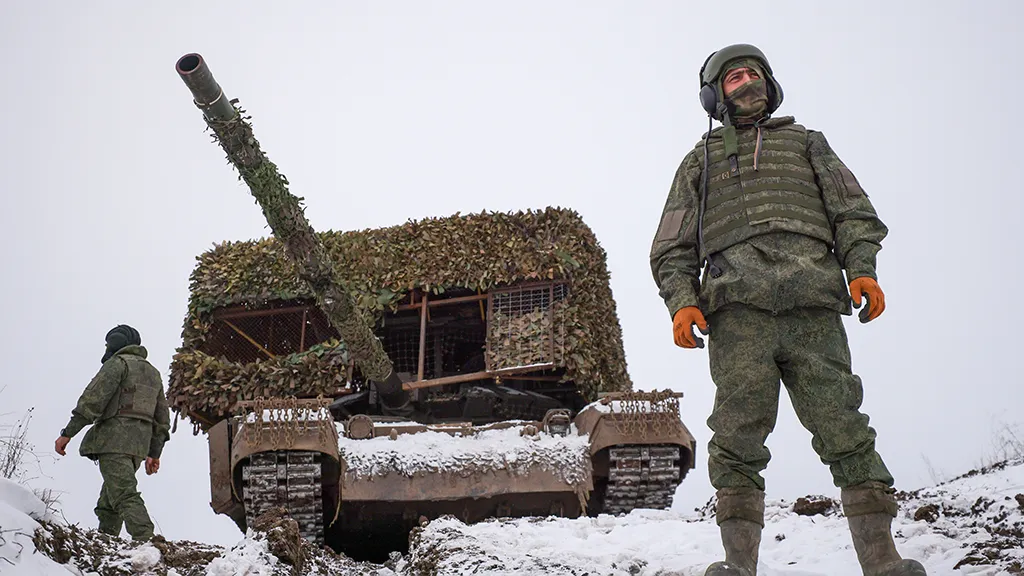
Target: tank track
{"type": "Point", "coordinates": [641, 476]}
{"type": "Point", "coordinates": [288, 479]}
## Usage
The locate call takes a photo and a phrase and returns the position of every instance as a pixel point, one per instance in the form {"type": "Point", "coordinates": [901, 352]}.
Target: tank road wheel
{"type": "Point", "coordinates": [641, 476]}
{"type": "Point", "coordinates": [290, 480]}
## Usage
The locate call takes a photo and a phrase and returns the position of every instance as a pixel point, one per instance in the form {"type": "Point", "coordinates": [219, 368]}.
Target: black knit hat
{"type": "Point", "coordinates": [120, 336]}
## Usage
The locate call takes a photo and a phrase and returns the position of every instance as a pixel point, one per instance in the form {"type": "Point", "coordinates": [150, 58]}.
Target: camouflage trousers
{"type": "Point", "coordinates": [120, 501]}
{"type": "Point", "coordinates": [750, 351]}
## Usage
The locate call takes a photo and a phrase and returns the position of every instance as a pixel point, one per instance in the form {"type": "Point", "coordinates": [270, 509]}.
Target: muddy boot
{"type": "Point", "coordinates": [740, 517]}
{"type": "Point", "coordinates": [869, 509]}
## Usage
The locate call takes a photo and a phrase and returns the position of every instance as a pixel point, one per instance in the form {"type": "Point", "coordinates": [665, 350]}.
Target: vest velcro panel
{"type": "Point", "coordinates": [769, 152]}
{"type": "Point", "coordinates": [782, 194]}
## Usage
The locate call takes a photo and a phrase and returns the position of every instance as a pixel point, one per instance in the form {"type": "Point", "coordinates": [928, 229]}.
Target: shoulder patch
{"type": "Point", "coordinates": [853, 187]}
{"type": "Point", "coordinates": [671, 223]}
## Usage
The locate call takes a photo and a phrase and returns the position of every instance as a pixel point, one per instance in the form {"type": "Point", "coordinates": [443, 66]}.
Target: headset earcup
{"type": "Point", "coordinates": [775, 99]}
{"type": "Point", "coordinates": [709, 99]}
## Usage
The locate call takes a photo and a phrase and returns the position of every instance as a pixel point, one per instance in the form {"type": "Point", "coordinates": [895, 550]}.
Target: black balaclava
{"type": "Point", "coordinates": [119, 337]}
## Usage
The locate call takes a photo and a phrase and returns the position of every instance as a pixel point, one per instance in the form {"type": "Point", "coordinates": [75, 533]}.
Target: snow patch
{"type": "Point", "coordinates": [289, 415]}
{"type": "Point", "coordinates": [250, 557]}
{"type": "Point", "coordinates": [19, 511]}
{"type": "Point", "coordinates": [145, 557]}
{"type": "Point", "coordinates": [606, 406]}
{"type": "Point", "coordinates": [982, 513]}
{"type": "Point", "coordinates": [485, 451]}
{"type": "Point", "coordinates": [982, 510]}
{"type": "Point", "coordinates": [22, 499]}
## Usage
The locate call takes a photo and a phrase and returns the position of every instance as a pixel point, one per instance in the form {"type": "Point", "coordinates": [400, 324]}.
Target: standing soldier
{"type": "Point", "coordinates": [125, 403]}
{"type": "Point", "coordinates": [776, 216]}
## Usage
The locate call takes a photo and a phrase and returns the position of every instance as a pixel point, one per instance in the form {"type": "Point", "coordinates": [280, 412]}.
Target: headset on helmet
{"type": "Point", "coordinates": [713, 68]}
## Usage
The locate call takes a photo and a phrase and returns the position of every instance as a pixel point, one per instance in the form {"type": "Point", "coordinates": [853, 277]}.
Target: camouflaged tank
{"type": "Point", "coordinates": [368, 381]}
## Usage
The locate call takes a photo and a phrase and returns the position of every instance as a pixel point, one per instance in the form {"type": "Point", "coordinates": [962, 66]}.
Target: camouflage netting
{"type": "Point", "coordinates": [477, 252]}
{"type": "Point", "coordinates": [200, 382]}
{"type": "Point", "coordinates": [528, 339]}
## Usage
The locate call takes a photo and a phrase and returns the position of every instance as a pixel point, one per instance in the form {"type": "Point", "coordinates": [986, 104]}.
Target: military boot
{"type": "Point", "coordinates": [869, 509]}
{"type": "Point", "coordinates": [740, 517]}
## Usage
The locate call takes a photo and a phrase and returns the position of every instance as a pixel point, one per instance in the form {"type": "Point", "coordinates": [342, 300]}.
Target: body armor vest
{"type": "Point", "coordinates": [137, 396]}
{"type": "Point", "coordinates": [770, 188]}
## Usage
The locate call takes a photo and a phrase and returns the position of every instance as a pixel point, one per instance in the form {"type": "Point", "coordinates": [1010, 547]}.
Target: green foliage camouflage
{"type": "Point", "coordinates": [284, 213]}
{"type": "Point", "coordinates": [380, 266]}
{"type": "Point", "coordinates": [536, 337]}
{"type": "Point", "coordinates": [211, 386]}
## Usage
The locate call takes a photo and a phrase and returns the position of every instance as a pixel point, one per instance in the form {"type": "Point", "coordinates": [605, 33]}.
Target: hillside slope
{"type": "Point", "coordinates": [971, 525]}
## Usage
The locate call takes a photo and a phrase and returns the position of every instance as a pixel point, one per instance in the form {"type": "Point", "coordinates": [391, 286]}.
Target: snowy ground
{"type": "Point", "coordinates": [484, 452]}
{"type": "Point", "coordinates": [971, 525]}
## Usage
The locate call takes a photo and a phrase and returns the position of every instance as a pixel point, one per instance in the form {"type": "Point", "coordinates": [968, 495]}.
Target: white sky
{"type": "Point", "coordinates": [382, 113]}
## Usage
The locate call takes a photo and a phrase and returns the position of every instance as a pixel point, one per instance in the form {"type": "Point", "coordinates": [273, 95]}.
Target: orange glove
{"type": "Point", "coordinates": [875, 297]}
{"type": "Point", "coordinates": [682, 327]}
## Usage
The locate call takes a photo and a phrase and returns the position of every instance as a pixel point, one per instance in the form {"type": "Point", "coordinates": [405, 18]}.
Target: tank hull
{"type": "Point", "coordinates": [361, 486]}
{"type": "Point", "coordinates": [363, 496]}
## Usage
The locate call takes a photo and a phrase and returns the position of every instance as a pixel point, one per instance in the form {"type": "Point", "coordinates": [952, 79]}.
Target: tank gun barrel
{"type": "Point", "coordinates": [284, 214]}
{"type": "Point", "coordinates": [206, 92]}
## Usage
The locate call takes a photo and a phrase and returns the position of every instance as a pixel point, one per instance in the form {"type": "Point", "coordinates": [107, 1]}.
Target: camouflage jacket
{"type": "Point", "coordinates": [775, 270]}
{"type": "Point", "coordinates": [116, 430]}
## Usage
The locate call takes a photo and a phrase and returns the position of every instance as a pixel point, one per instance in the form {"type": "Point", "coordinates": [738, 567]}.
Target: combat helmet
{"type": "Point", "coordinates": [710, 87]}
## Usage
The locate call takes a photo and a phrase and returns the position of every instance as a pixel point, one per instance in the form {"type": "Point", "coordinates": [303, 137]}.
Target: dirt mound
{"type": "Point", "coordinates": [91, 551]}
{"type": "Point", "coordinates": [815, 505]}
{"type": "Point", "coordinates": [272, 548]}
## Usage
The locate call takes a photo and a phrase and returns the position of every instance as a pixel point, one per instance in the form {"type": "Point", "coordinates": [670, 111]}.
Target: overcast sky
{"type": "Point", "coordinates": [382, 112]}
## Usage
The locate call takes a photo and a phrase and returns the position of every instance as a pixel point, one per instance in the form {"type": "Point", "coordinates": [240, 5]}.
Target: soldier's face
{"type": "Point", "coordinates": [738, 77]}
